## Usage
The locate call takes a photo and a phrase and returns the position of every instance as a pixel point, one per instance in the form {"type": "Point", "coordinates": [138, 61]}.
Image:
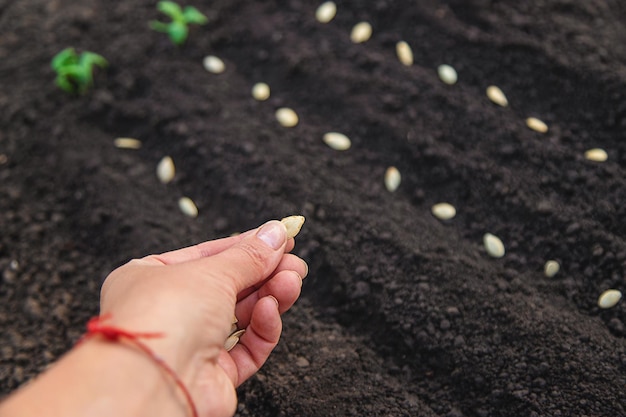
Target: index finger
{"type": "Point", "coordinates": [203, 250]}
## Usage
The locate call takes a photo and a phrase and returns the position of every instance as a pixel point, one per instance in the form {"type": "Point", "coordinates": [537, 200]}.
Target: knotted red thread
{"type": "Point", "coordinates": [95, 327]}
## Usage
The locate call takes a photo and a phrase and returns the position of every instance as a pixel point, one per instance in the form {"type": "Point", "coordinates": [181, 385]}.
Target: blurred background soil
{"type": "Point", "coordinates": [402, 314]}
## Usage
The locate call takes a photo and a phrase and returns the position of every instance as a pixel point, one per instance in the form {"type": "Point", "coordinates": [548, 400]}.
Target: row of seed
{"type": "Point", "coordinates": [362, 32]}
{"type": "Point", "coordinates": [287, 117]}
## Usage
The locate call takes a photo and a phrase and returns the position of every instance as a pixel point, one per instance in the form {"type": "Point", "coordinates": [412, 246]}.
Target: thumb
{"type": "Point", "coordinates": [251, 260]}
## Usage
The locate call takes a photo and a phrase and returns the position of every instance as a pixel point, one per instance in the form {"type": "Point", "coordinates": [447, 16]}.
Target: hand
{"type": "Point", "coordinates": [190, 295]}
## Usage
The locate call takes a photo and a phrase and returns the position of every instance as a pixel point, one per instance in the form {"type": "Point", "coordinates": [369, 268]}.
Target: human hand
{"type": "Point", "coordinates": [190, 295]}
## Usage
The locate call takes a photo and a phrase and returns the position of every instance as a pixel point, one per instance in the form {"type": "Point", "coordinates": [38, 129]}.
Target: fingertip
{"type": "Point", "coordinates": [273, 234]}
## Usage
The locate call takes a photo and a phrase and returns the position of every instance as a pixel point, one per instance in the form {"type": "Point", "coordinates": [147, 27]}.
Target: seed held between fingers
{"type": "Point", "coordinates": [293, 224]}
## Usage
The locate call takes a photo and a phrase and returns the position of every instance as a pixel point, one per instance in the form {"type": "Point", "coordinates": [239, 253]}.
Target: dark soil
{"type": "Point", "coordinates": [402, 314]}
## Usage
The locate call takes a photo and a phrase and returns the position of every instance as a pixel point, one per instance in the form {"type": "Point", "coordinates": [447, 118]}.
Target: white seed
{"type": "Point", "coordinates": [493, 245]}
{"type": "Point", "coordinates": [447, 74]}
{"type": "Point", "coordinates": [127, 143]}
{"type": "Point", "coordinates": [188, 207]}
{"type": "Point", "coordinates": [596, 155]}
{"type": "Point", "coordinates": [392, 179]}
{"type": "Point", "coordinates": [166, 170]}
{"type": "Point", "coordinates": [443, 211]}
{"type": "Point", "coordinates": [361, 32]}
{"type": "Point", "coordinates": [337, 141]}
{"type": "Point", "coordinates": [405, 54]}
{"type": "Point", "coordinates": [233, 339]}
{"type": "Point", "coordinates": [213, 64]}
{"type": "Point", "coordinates": [293, 224]}
{"type": "Point", "coordinates": [497, 96]}
{"type": "Point", "coordinates": [536, 125]}
{"type": "Point", "coordinates": [261, 91]}
{"type": "Point", "coordinates": [609, 298]}
{"type": "Point", "coordinates": [326, 12]}
{"type": "Point", "coordinates": [286, 117]}
{"type": "Point", "coordinates": [551, 268]}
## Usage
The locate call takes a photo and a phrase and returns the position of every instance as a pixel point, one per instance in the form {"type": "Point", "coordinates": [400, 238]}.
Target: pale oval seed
{"type": "Point", "coordinates": [326, 12]}
{"type": "Point", "coordinates": [596, 155]}
{"type": "Point", "coordinates": [536, 125]}
{"type": "Point", "coordinates": [293, 224]}
{"type": "Point", "coordinates": [497, 96]}
{"type": "Point", "coordinates": [392, 179]}
{"type": "Point", "coordinates": [551, 268]}
{"type": "Point", "coordinates": [233, 339]}
{"type": "Point", "coordinates": [337, 141]}
{"type": "Point", "coordinates": [405, 54]}
{"type": "Point", "coordinates": [443, 211]}
{"type": "Point", "coordinates": [447, 74]}
{"type": "Point", "coordinates": [609, 298]}
{"type": "Point", "coordinates": [286, 117]}
{"type": "Point", "coordinates": [188, 207]}
{"type": "Point", "coordinates": [261, 91]}
{"type": "Point", "coordinates": [213, 64]}
{"type": "Point", "coordinates": [361, 32]}
{"type": "Point", "coordinates": [166, 170]}
{"type": "Point", "coordinates": [127, 143]}
{"type": "Point", "coordinates": [493, 245]}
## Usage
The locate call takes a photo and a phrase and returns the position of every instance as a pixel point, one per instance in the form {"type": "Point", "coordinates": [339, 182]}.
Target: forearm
{"type": "Point", "coordinates": [100, 378]}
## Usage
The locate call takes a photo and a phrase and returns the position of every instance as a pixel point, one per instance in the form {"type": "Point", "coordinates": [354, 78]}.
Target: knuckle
{"type": "Point", "coordinates": [256, 258]}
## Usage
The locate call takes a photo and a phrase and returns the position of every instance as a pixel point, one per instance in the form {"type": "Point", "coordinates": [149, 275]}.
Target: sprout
{"type": "Point", "coordinates": [177, 29]}
{"type": "Point", "coordinates": [75, 72]}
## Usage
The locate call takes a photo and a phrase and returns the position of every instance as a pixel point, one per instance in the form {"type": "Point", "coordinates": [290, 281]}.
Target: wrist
{"type": "Point", "coordinates": [104, 378]}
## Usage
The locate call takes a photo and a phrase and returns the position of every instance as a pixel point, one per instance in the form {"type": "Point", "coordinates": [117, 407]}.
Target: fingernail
{"type": "Point", "coordinates": [273, 234]}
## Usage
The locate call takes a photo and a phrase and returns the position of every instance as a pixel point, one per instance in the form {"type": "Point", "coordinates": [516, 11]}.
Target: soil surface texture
{"type": "Point", "coordinates": [402, 314]}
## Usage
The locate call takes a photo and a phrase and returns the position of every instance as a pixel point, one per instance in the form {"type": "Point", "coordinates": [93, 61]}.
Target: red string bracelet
{"type": "Point", "coordinates": [96, 327]}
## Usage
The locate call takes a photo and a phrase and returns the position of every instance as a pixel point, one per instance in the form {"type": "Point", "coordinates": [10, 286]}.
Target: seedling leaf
{"type": "Point", "coordinates": [74, 72]}
{"type": "Point", "coordinates": [178, 32]}
{"type": "Point", "coordinates": [63, 58]}
{"type": "Point", "coordinates": [171, 9]}
{"type": "Point", "coordinates": [177, 29]}
{"type": "Point", "coordinates": [193, 15]}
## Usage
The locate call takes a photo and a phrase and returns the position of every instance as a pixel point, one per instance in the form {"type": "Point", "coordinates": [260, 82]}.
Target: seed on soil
{"type": "Point", "coordinates": [392, 179]}
{"type": "Point", "coordinates": [447, 74]}
{"type": "Point", "coordinates": [286, 117]}
{"type": "Point", "coordinates": [233, 339]}
{"type": "Point", "coordinates": [493, 245]}
{"type": "Point", "coordinates": [536, 125]}
{"type": "Point", "coordinates": [326, 12]}
{"type": "Point", "coordinates": [405, 54]}
{"type": "Point", "coordinates": [261, 91]}
{"type": "Point", "coordinates": [443, 211]}
{"type": "Point", "coordinates": [361, 32]}
{"type": "Point", "coordinates": [165, 170]}
{"type": "Point", "coordinates": [609, 298]}
{"type": "Point", "coordinates": [213, 64]}
{"type": "Point", "coordinates": [188, 207]}
{"type": "Point", "coordinates": [497, 96]}
{"type": "Point", "coordinates": [127, 143]}
{"type": "Point", "coordinates": [293, 224]}
{"type": "Point", "coordinates": [337, 141]}
{"type": "Point", "coordinates": [596, 155]}
{"type": "Point", "coordinates": [551, 268]}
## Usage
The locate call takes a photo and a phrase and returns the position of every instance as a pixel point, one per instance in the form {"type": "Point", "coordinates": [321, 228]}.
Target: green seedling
{"type": "Point", "coordinates": [177, 29]}
{"type": "Point", "coordinates": [75, 72]}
